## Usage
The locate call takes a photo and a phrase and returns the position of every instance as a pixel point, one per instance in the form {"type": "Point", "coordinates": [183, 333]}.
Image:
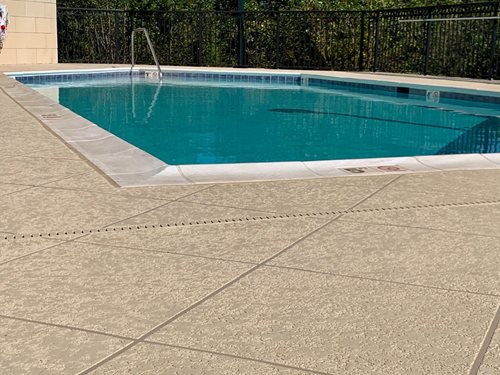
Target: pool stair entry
{"type": "Point", "coordinates": [151, 48]}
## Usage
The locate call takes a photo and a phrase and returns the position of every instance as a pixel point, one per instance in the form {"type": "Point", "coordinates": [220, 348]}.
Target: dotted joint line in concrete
{"type": "Point", "coordinates": [60, 234]}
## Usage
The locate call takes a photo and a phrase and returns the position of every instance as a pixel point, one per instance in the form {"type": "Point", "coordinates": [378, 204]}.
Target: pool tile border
{"type": "Point", "coordinates": [401, 90]}
{"type": "Point", "coordinates": [129, 166]}
{"type": "Point", "coordinates": [254, 78]}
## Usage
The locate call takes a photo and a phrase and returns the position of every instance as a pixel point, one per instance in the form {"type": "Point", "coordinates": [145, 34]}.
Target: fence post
{"type": "Point", "coordinates": [362, 42]}
{"type": "Point", "coordinates": [494, 37]}
{"type": "Point", "coordinates": [278, 38]}
{"type": "Point", "coordinates": [242, 39]}
{"type": "Point", "coordinates": [376, 56]}
{"type": "Point", "coordinates": [117, 39]}
{"type": "Point", "coordinates": [428, 43]}
{"type": "Point", "coordinates": [131, 15]}
{"type": "Point", "coordinates": [199, 46]}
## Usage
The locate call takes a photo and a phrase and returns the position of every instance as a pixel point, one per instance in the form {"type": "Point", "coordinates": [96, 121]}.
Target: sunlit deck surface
{"type": "Point", "coordinates": [384, 274]}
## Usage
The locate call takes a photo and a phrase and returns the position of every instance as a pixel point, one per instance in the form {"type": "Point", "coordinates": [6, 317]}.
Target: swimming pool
{"type": "Point", "coordinates": [194, 119]}
{"type": "Point", "coordinates": [183, 121]}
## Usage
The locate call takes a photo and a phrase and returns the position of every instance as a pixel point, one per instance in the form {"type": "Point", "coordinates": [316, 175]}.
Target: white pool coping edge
{"type": "Point", "coordinates": [129, 166]}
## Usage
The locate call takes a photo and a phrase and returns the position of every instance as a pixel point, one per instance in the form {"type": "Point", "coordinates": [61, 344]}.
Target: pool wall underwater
{"type": "Point", "coordinates": [129, 166]}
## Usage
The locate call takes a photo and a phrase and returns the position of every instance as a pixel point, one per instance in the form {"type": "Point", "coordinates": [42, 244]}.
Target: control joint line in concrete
{"type": "Point", "coordinates": [478, 361]}
{"type": "Point", "coordinates": [382, 224]}
{"type": "Point", "coordinates": [194, 222]}
{"type": "Point", "coordinates": [221, 289]}
{"type": "Point", "coordinates": [347, 276]}
{"type": "Point", "coordinates": [227, 206]}
{"type": "Point", "coordinates": [152, 209]}
{"type": "Point", "coordinates": [234, 356]}
{"type": "Point", "coordinates": [60, 242]}
{"type": "Point", "coordinates": [63, 326]}
{"type": "Point", "coordinates": [198, 303]}
{"type": "Point", "coordinates": [164, 252]}
{"type": "Point", "coordinates": [155, 343]}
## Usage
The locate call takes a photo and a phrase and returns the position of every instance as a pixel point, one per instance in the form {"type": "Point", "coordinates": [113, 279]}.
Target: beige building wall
{"type": "Point", "coordinates": [32, 32]}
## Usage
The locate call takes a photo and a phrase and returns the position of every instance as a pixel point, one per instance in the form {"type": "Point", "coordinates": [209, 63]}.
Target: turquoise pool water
{"type": "Point", "coordinates": [204, 123]}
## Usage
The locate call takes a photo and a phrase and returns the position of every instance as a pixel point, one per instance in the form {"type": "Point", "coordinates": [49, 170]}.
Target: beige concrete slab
{"type": "Point", "coordinates": [20, 124]}
{"type": "Point", "coordinates": [400, 254]}
{"type": "Point", "coordinates": [17, 119]}
{"type": "Point", "coordinates": [119, 291]}
{"type": "Point", "coordinates": [62, 152]}
{"type": "Point", "coordinates": [293, 196]}
{"type": "Point", "coordinates": [477, 219]}
{"type": "Point", "coordinates": [438, 188]}
{"type": "Point", "coordinates": [10, 188]}
{"type": "Point", "coordinates": [185, 212]}
{"type": "Point", "coordinates": [154, 360]}
{"type": "Point", "coordinates": [96, 182]}
{"type": "Point", "coordinates": [170, 192]}
{"type": "Point", "coordinates": [61, 66]}
{"type": "Point", "coordinates": [44, 209]}
{"type": "Point", "coordinates": [14, 248]}
{"type": "Point", "coordinates": [338, 325]}
{"type": "Point", "coordinates": [30, 143]}
{"type": "Point", "coordinates": [38, 171]}
{"type": "Point", "coordinates": [247, 241]}
{"type": "Point", "coordinates": [29, 348]}
{"type": "Point", "coordinates": [491, 361]}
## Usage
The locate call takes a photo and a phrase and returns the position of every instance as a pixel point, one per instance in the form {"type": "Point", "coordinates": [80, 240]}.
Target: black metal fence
{"type": "Point", "coordinates": [333, 40]}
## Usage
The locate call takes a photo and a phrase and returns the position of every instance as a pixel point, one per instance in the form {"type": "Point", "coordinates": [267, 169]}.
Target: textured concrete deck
{"type": "Point", "coordinates": [364, 275]}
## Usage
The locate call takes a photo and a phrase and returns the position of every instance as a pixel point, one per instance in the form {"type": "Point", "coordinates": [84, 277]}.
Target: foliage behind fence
{"type": "Point", "coordinates": [337, 40]}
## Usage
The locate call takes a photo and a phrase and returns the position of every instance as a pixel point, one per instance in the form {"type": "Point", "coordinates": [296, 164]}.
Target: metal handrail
{"type": "Point", "coordinates": [450, 19]}
{"type": "Point", "coordinates": [151, 48]}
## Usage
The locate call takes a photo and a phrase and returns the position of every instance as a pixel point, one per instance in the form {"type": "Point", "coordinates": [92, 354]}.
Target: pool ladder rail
{"type": "Point", "coordinates": [151, 48]}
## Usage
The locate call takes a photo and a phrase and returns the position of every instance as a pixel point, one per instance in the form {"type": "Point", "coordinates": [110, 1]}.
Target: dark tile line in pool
{"type": "Point", "coordinates": [470, 97]}
{"type": "Point", "coordinates": [224, 77]}
{"type": "Point", "coordinates": [217, 77]}
{"type": "Point", "coordinates": [262, 79]}
{"type": "Point", "coordinates": [72, 77]}
{"type": "Point", "coordinates": [398, 90]}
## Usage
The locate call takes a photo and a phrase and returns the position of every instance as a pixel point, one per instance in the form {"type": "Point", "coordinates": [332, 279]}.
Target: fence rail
{"type": "Point", "coordinates": [378, 40]}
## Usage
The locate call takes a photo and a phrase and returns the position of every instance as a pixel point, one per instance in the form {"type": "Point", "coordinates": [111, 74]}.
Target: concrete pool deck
{"type": "Point", "coordinates": [384, 274]}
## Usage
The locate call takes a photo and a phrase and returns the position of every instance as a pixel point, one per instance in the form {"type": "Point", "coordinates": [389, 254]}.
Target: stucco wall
{"type": "Point", "coordinates": [32, 32]}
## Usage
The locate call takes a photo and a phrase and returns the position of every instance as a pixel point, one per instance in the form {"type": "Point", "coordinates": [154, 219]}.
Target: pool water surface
{"type": "Point", "coordinates": [190, 122]}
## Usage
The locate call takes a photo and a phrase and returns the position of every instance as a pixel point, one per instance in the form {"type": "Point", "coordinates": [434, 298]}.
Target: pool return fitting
{"type": "Point", "coordinates": [151, 48]}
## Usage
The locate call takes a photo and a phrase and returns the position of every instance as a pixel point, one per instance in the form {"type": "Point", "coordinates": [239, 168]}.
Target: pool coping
{"type": "Point", "coordinates": [129, 166]}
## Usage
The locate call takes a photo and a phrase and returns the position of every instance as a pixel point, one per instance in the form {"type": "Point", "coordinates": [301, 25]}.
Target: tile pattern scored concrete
{"type": "Point", "coordinates": [31, 348]}
{"type": "Point", "coordinates": [368, 275]}
{"type": "Point", "coordinates": [156, 359]}
{"type": "Point", "coordinates": [338, 325]}
{"type": "Point", "coordinates": [405, 255]}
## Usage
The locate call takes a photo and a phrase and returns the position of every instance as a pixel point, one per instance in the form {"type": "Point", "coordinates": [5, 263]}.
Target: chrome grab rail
{"type": "Point", "coordinates": [151, 48]}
